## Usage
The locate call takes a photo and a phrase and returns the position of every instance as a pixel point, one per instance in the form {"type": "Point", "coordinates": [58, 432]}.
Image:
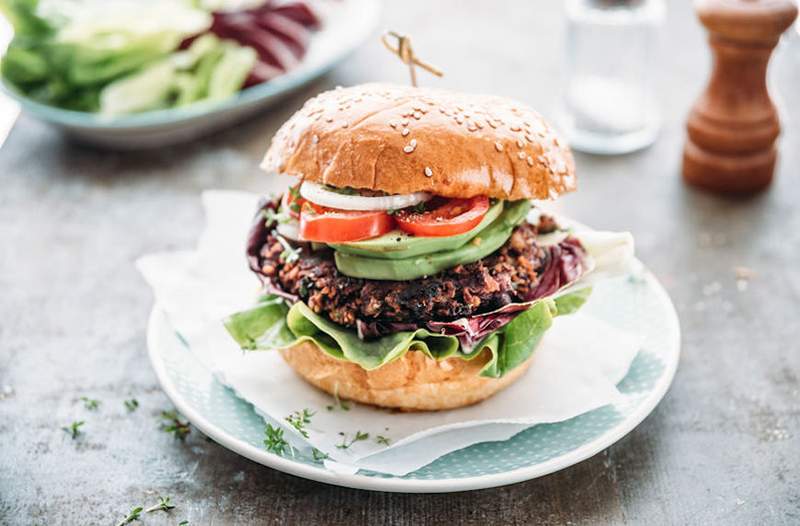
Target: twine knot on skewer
{"type": "Point", "coordinates": [405, 52]}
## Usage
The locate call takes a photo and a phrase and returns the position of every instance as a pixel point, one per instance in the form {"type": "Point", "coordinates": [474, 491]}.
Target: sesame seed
{"type": "Point", "coordinates": [315, 139]}
{"type": "Point", "coordinates": [329, 119]}
{"type": "Point", "coordinates": [428, 172]}
{"type": "Point", "coordinates": [459, 119]}
{"type": "Point", "coordinates": [345, 125]}
{"type": "Point", "coordinates": [520, 143]}
{"type": "Point", "coordinates": [417, 115]}
{"type": "Point", "coordinates": [472, 128]}
{"type": "Point", "coordinates": [515, 128]}
{"type": "Point", "coordinates": [405, 122]}
{"type": "Point", "coordinates": [530, 161]}
{"type": "Point", "coordinates": [393, 124]}
{"type": "Point", "coordinates": [521, 155]}
{"type": "Point", "coordinates": [405, 132]}
{"type": "Point", "coordinates": [411, 146]}
{"type": "Point", "coordinates": [498, 146]}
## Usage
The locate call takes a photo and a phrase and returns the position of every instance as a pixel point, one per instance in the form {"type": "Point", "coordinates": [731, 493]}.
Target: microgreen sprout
{"type": "Point", "coordinates": [290, 254]}
{"type": "Point", "coordinates": [318, 455]}
{"type": "Point", "coordinates": [359, 436]}
{"type": "Point", "coordinates": [299, 420]}
{"type": "Point", "coordinates": [131, 405]}
{"type": "Point", "coordinates": [74, 429]}
{"type": "Point", "coordinates": [380, 439]}
{"type": "Point", "coordinates": [134, 515]}
{"type": "Point", "coordinates": [164, 504]}
{"type": "Point", "coordinates": [273, 217]}
{"type": "Point", "coordinates": [274, 441]}
{"type": "Point", "coordinates": [341, 404]}
{"type": "Point", "coordinates": [90, 404]}
{"type": "Point", "coordinates": [172, 424]}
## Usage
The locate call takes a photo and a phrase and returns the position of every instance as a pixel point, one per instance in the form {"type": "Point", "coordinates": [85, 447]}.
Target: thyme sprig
{"type": "Point", "coordinates": [173, 424]}
{"type": "Point", "coordinates": [134, 515]}
{"type": "Point", "coordinates": [299, 420]}
{"type": "Point", "coordinates": [289, 254]}
{"type": "Point", "coordinates": [272, 217]}
{"type": "Point", "coordinates": [274, 440]}
{"type": "Point", "coordinates": [164, 504]}
{"type": "Point", "coordinates": [74, 429]}
{"type": "Point", "coordinates": [90, 404]}
{"type": "Point", "coordinates": [359, 436]}
{"type": "Point", "coordinates": [341, 404]}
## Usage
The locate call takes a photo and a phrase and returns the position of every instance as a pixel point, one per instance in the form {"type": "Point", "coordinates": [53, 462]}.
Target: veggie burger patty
{"type": "Point", "coordinates": [506, 276]}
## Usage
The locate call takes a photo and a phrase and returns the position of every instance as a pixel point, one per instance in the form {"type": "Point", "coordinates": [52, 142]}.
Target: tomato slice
{"type": "Point", "coordinates": [292, 202]}
{"type": "Point", "coordinates": [329, 225]}
{"type": "Point", "coordinates": [446, 218]}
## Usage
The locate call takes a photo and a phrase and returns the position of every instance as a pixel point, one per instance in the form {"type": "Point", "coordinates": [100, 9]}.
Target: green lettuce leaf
{"type": "Point", "coordinates": [271, 325]}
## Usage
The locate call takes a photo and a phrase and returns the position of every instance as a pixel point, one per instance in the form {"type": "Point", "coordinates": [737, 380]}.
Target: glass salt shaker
{"type": "Point", "coordinates": [609, 104]}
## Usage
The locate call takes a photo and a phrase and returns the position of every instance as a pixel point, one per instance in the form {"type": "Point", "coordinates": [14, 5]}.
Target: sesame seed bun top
{"type": "Point", "coordinates": [401, 139]}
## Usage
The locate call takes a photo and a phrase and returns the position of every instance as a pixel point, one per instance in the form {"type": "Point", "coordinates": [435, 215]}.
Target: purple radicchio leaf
{"type": "Point", "coordinates": [565, 264]}
{"type": "Point", "coordinates": [259, 231]}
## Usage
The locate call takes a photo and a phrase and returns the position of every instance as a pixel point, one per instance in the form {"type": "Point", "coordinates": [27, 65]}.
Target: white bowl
{"type": "Point", "coordinates": [348, 24]}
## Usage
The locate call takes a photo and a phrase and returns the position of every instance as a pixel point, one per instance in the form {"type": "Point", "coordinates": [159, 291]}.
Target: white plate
{"type": "Point", "coordinates": [348, 24]}
{"type": "Point", "coordinates": [639, 305]}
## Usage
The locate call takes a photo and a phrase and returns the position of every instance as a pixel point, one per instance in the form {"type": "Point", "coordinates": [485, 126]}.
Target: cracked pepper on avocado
{"type": "Point", "coordinates": [407, 267]}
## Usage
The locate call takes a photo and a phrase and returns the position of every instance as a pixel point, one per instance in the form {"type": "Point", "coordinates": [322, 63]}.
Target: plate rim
{"type": "Point", "coordinates": [402, 485]}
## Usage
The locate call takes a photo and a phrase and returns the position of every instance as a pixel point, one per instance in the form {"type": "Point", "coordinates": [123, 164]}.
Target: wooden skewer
{"type": "Point", "coordinates": [406, 54]}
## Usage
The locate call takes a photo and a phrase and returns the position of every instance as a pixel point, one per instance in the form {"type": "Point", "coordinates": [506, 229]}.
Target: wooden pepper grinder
{"type": "Point", "coordinates": [733, 126]}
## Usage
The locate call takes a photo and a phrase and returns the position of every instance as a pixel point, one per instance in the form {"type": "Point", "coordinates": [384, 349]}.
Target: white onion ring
{"type": "Point", "coordinates": [290, 230]}
{"type": "Point", "coordinates": [318, 194]}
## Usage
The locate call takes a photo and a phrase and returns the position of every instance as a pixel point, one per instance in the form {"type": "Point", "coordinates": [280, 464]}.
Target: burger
{"type": "Point", "coordinates": [408, 267]}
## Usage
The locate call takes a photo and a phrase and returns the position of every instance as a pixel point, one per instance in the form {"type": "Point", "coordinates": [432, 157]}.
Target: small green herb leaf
{"type": "Point", "coordinates": [299, 420]}
{"type": "Point", "coordinates": [380, 439]}
{"type": "Point", "coordinates": [134, 515]}
{"type": "Point", "coordinates": [173, 424]}
{"type": "Point", "coordinates": [290, 254]}
{"type": "Point", "coordinates": [74, 429]}
{"type": "Point", "coordinates": [164, 504]}
{"type": "Point", "coordinates": [90, 404]}
{"type": "Point", "coordinates": [318, 455]}
{"type": "Point", "coordinates": [274, 441]}
{"type": "Point", "coordinates": [131, 405]}
{"type": "Point", "coordinates": [359, 436]}
{"type": "Point", "coordinates": [272, 217]}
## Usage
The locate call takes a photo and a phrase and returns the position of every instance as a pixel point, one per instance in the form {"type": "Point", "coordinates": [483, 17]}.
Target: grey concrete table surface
{"type": "Point", "coordinates": [722, 448]}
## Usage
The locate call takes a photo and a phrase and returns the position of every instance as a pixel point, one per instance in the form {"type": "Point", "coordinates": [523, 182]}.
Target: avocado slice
{"type": "Point", "coordinates": [399, 245]}
{"type": "Point", "coordinates": [487, 241]}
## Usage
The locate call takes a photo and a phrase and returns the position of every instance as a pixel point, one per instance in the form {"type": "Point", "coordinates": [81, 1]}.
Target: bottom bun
{"type": "Point", "coordinates": [413, 382]}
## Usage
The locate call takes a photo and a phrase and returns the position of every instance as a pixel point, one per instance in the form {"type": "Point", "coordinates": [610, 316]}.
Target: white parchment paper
{"type": "Point", "coordinates": [575, 369]}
